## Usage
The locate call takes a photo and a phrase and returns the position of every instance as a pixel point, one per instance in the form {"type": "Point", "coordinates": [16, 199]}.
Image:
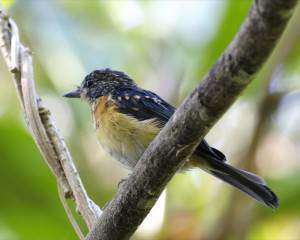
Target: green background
{"type": "Point", "coordinates": [167, 47]}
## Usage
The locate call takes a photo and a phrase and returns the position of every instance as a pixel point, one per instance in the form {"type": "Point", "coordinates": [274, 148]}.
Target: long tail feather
{"type": "Point", "coordinates": [247, 182]}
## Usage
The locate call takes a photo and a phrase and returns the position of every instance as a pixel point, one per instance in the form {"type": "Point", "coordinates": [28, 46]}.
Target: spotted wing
{"type": "Point", "coordinates": [144, 105]}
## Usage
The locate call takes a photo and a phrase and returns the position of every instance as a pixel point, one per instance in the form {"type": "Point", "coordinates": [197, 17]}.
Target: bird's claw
{"type": "Point", "coordinates": [123, 180]}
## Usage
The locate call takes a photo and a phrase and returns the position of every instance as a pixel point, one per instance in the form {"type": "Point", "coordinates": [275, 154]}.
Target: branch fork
{"type": "Point", "coordinates": [42, 126]}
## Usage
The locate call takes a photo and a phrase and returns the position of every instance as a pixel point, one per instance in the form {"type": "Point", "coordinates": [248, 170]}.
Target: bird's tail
{"type": "Point", "coordinates": [247, 182]}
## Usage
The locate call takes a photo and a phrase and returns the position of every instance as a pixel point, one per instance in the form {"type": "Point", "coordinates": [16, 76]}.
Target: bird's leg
{"type": "Point", "coordinates": [123, 180]}
{"type": "Point", "coordinates": [119, 184]}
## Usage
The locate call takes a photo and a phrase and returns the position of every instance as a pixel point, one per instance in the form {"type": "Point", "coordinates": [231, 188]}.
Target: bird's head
{"type": "Point", "coordinates": [100, 83]}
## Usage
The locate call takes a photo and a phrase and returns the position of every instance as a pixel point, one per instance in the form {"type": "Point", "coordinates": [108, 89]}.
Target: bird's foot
{"type": "Point", "coordinates": [123, 180]}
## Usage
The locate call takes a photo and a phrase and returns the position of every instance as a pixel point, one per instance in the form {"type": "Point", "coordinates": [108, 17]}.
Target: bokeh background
{"type": "Point", "coordinates": [167, 47]}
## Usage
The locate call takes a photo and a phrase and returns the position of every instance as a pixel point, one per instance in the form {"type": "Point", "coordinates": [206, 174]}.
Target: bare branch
{"type": "Point", "coordinates": [69, 213]}
{"type": "Point", "coordinates": [41, 124]}
{"type": "Point", "coordinates": [166, 154]}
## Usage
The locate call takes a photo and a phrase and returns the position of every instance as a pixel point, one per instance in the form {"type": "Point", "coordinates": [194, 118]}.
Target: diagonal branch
{"type": "Point", "coordinates": [42, 125]}
{"type": "Point", "coordinates": [229, 223]}
{"type": "Point", "coordinates": [166, 154]}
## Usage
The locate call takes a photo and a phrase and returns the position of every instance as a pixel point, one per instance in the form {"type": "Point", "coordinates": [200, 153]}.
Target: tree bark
{"type": "Point", "coordinates": [199, 112]}
{"type": "Point", "coordinates": [229, 225]}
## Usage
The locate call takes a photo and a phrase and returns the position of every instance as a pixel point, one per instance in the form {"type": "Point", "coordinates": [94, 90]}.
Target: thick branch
{"type": "Point", "coordinates": [41, 124]}
{"type": "Point", "coordinates": [229, 224]}
{"type": "Point", "coordinates": [166, 154]}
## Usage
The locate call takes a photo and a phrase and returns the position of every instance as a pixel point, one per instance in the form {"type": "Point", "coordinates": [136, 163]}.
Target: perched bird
{"type": "Point", "coordinates": [127, 118]}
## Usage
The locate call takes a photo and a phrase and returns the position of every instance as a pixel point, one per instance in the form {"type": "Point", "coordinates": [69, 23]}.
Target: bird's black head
{"type": "Point", "coordinates": [100, 83]}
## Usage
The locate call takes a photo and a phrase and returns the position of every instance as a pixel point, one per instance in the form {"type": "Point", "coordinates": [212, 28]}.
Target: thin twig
{"type": "Point", "coordinates": [69, 212]}
{"type": "Point", "coordinates": [84, 203]}
{"type": "Point", "coordinates": [15, 43]}
{"type": "Point", "coordinates": [34, 121]}
{"type": "Point", "coordinates": [42, 125]}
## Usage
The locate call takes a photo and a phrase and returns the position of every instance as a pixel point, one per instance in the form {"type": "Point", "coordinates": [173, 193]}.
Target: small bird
{"type": "Point", "coordinates": [127, 118]}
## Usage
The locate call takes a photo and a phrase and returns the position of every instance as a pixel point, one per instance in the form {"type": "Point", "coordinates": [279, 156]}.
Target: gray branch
{"type": "Point", "coordinates": [233, 71]}
{"type": "Point", "coordinates": [42, 125]}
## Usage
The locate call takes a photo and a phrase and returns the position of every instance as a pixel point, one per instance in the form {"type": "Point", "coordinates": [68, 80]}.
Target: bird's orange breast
{"type": "Point", "coordinates": [124, 137]}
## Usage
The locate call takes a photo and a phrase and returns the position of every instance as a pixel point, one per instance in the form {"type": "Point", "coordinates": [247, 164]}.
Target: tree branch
{"type": "Point", "coordinates": [199, 112]}
{"type": "Point", "coordinates": [42, 125]}
{"type": "Point", "coordinates": [229, 223]}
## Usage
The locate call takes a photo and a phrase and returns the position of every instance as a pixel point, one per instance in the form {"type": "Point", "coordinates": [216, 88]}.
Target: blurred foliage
{"type": "Point", "coordinates": [167, 46]}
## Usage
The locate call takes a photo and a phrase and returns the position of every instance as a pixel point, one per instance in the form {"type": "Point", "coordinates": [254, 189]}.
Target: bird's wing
{"type": "Point", "coordinates": [144, 105]}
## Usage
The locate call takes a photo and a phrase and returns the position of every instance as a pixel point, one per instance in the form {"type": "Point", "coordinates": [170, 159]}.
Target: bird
{"type": "Point", "coordinates": [127, 118]}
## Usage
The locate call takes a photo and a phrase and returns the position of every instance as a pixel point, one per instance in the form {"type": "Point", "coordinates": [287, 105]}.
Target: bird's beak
{"type": "Point", "coordinates": [73, 94]}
